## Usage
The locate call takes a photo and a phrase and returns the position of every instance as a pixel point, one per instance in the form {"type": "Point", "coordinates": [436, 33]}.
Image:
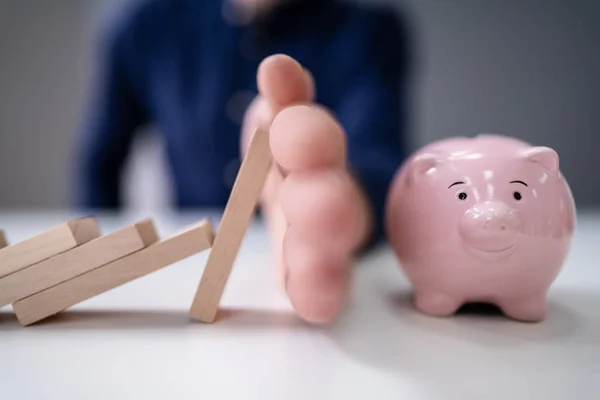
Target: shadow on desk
{"type": "Point", "coordinates": [81, 319]}
{"type": "Point", "coordinates": [571, 316]}
{"type": "Point", "coordinates": [477, 342]}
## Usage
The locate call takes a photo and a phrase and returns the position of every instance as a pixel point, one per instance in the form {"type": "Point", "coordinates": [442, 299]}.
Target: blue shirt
{"type": "Point", "coordinates": [183, 67]}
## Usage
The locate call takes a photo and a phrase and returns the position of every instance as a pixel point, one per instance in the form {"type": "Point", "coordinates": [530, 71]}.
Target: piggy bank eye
{"type": "Point", "coordinates": [462, 196]}
{"type": "Point", "coordinates": [517, 196]}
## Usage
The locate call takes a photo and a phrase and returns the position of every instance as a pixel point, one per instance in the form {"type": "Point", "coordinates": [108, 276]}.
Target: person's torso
{"type": "Point", "coordinates": [199, 75]}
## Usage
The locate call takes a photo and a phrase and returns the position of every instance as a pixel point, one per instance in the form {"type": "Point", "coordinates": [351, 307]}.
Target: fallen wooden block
{"type": "Point", "coordinates": [47, 244]}
{"type": "Point", "coordinates": [238, 213]}
{"type": "Point", "coordinates": [3, 242]}
{"type": "Point", "coordinates": [158, 255]}
{"type": "Point", "coordinates": [77, 261]}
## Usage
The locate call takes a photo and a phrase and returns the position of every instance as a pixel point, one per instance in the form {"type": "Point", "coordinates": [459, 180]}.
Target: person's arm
{"type": "Point", "coordinates": [116, 113]}
{"type": "Point", "coordinates": [373, 114]}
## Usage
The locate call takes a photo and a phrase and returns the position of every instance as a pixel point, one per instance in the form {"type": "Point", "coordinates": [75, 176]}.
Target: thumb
{"type": "Point", "coordinates": [282, 81]}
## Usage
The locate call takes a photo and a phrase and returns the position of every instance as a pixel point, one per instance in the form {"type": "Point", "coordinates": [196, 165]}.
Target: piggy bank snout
{"type": "Point", "coordinates": [490, 226]}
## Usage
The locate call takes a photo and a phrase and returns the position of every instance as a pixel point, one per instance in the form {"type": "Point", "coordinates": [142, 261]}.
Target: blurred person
{"type": "Point", "coordinates": [328, 78]}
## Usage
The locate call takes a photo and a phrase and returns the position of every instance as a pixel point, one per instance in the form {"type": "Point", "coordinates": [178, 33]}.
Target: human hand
{"type": "Point", "coordinates": [316, 212]}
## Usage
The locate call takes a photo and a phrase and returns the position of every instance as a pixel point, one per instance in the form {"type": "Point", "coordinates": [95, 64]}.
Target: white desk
{"type": "Point", "coordinates": [136, 341]}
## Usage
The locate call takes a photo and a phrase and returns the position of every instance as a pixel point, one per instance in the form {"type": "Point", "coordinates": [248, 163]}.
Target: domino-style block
{"type": "Point", "coordinates": [47, 244]}
{"type": "Point", "coordinates": [3, 242]}
{"type": "Point", "coordinates": [158, 255]}
{"type": "Point", "coordinates": [77, 261]}
{"type": "Point", "coordinates": [236, 217]}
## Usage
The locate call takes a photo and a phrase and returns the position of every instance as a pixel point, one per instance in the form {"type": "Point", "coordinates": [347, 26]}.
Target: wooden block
{"type": "Point", "coordinates": [154, 257]}
{"type": "Point", "coordinates": [77, 261]}
{"type": "Point", "coordinates": [238, 213]}
{"type": "Point", "coordinates": [3, 242]}
{"type": "Point", "coordinates": [47, 244]}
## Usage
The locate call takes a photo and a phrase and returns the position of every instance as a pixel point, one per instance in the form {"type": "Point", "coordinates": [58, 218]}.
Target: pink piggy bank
{"type": "Point", "coordinates": [487, 219]}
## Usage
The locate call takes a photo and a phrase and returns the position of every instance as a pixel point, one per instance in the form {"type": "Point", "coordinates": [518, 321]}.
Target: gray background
{"type": "Point", "coordinates": [527, 68]}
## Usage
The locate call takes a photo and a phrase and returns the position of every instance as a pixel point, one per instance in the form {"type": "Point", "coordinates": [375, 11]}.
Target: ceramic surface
{"type": "Point", "coordinates": [483, 219]}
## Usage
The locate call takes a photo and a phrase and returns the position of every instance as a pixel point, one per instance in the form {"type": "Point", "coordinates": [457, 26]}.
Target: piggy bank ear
{"type": "Point", "coordinates": [421, 164]}
{"type": "Point", "coordinates": [545, 156]}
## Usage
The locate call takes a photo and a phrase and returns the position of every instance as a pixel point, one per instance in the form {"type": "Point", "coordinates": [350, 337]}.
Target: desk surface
{"type": "Point", "coordinates": [136, 341]}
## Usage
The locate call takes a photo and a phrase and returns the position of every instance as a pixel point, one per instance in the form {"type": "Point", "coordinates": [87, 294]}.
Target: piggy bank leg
{"type": "Point", "coordinates": [436, 303]}
{"type": "Point", "coordinates": [530, 309]}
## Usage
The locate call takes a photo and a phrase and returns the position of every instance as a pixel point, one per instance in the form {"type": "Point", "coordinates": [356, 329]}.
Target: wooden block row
{"type": "Point", "coordinates": [50, 243]}
{"type": "Point", "coordinates": [77, 261]}
{"type": "Point", "coordinates": [57, 298]}
{"type": "Point", "coordinates": [71, 263]}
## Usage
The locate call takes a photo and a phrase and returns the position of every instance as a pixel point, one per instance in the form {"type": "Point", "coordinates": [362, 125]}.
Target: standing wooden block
{"type": "Point", "coordinates": [78, 261]}
{"type": "Point", "coordinates": [161, 254]}
{"type": "Point", "coordinates": [3, 242]}
{"type": "Point", "coordinates": [238, 213]}
{"type": "Point", "coordinates": [47, 244]}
